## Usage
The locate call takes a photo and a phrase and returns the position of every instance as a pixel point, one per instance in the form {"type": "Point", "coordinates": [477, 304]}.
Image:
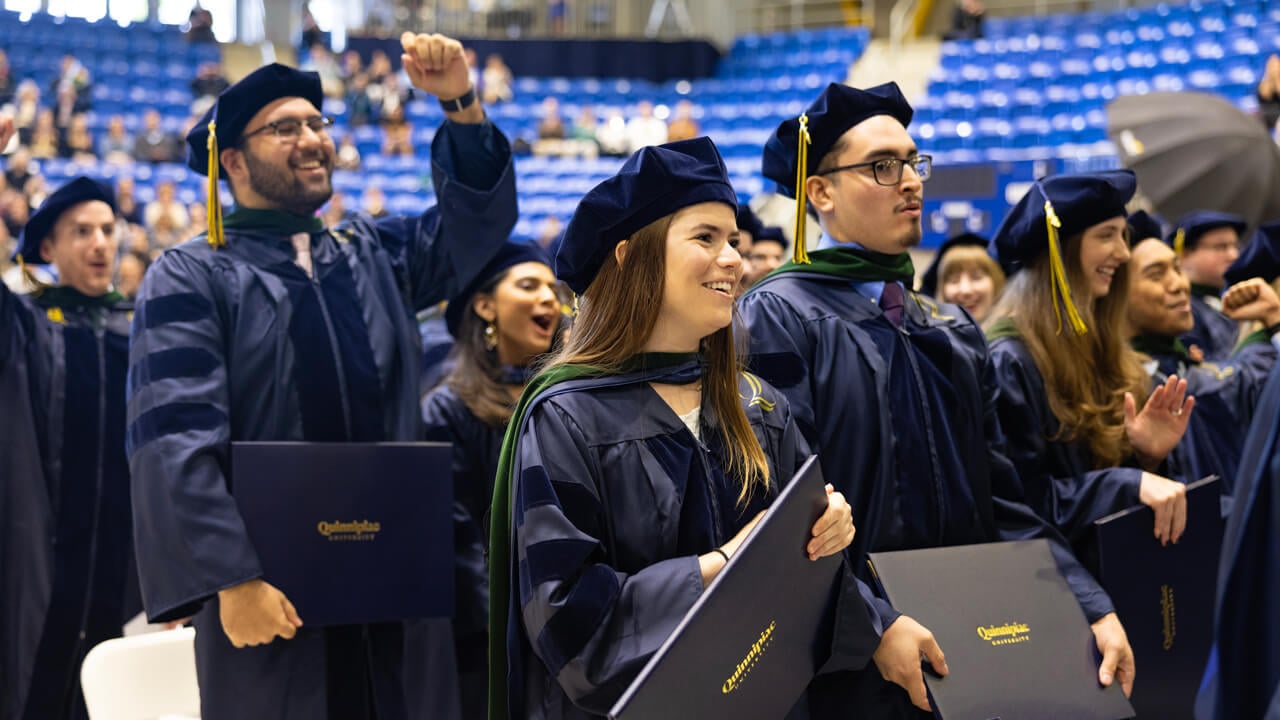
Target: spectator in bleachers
{"type": "Point", "coordinates": [352, 65]}
{"type": "Point", "coordinates": [321, 61]}
{"type": "Point", "coordinates": [127, 207]}
{"type": "Point", "coordinates": [164, 234]}
{"type": "Point", "coordinates": [375, 203]}
{"type": "Point", "coordinates": [644, 129]}
{"type": "Point", "coordinates": [379, 67]}
{"type": "Point", "coordinates": [71, 90]}
{"type": "Point", "coordinates": [7, 87]}
{"type": "Point", "coordinates": [26, 107]}
{"type": "Point", "coordinates": [36, 190]}
{"type": "Point", "coordinates": [612, 135]}
{"type": "Point", "coordinates": [166, 207]}
{"type": "Point", "coordinates": [312, 35]}
{"type": "Point", "coordinates": [129, 271]}
{"type": "Point", "coordinates": [551, 126]}
{"type": "Point", "coordinates": [15, 213]}
{"type": "Point", "coordinates": [389, 96]}
{"type": "Point", "coordinates": [154, 144]}
{"type": "Point", "coordinates": [348, 157]}
{"type": "Point", "coordinates": [683, 126]}
{"type": "Point", "coordinates": [117, 145]}
{"type": "Point", "coordinates": [45, 139]}
{"type": "Point", "coordinates": [397, 139]}
{"type": "Point", "coordinates": [549, 231]}
{"type": "Point", "coordinates": [1268, 93]}
{"type": "Point", "coordinates": [335, 210]}
{"type": "Point", "coordinates": [199, 215]}
{"type": "Point", "coordinates": [584, 127]}
{"type": "Point", "coordinates": [77, 142]}
{"type": "Point", "coordinates": [473, 68]}
{"type": "Point", "coordinates": [360, 107]}
{"type": "Point", "coordinates": [496, 80]}
{"type": "Point", "coordinates": [966, 23]}
{"type": "Point", "coordinates": [200, 25]}
{"type": "Point", "coordinates": [207, 86]}
{"type": "Point", "coordinates": [18, 170]}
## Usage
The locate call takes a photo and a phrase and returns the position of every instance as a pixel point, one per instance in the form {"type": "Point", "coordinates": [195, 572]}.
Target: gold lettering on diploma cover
{"type": "Point", "coordinates": [1007, 634]}
{"type": "Point", "coordinates": [749, 662]}
{"type": "Point", "coordinates": [1169, 614]}
{"type": "Point", "coordinates": [356, 531]}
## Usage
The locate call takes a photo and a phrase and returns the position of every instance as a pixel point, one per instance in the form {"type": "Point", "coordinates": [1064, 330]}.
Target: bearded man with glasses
{"type": "Point", "coordinates": [894, 392]}
{"type": "Point", "coordinates": [273, 327]}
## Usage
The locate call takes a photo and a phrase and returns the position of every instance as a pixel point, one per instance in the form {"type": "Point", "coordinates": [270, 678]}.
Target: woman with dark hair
{"type": "Point", "coordinates": [1070, 384]}
{"type": "Point", "coordinates": [500, 326]}
{"type": "Point", "coordinates": [642, 454]}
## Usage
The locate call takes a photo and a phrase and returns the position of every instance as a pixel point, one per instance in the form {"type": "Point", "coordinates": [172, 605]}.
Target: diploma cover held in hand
{"type": "Point", "coordinates": [751, 643]}
{"type": "Point", "coordinates": [351, 533]}
{"type": "Point", "coordinates": [1017, 643]}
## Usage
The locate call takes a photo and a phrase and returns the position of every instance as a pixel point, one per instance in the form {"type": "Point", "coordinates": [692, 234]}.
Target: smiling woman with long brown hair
{"type": "Point", "coordinates": [1070, 384]}
{"type": "Point", "coordinates": [642, 455]}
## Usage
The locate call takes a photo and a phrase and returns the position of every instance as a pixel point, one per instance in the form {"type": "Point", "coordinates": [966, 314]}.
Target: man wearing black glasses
{"type": "Point", "coordinates": [273, 327]}
{"type": "Point", "coordinates": [893, 392]}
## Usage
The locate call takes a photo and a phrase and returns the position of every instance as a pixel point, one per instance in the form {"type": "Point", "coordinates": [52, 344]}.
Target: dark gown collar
{"type": "Point", "coordinates": [272, 220]}
{"type": "Point", "coordinates": [1198, 290]}
{"type": "Point", "coordinates": [65, 296]}
{"type": "Point", "coordinates": [1160, 346]}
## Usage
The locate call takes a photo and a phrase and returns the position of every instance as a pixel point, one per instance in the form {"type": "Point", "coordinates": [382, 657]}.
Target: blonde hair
{"type": "Point", "coordinates": [616, 316]}
{"type": "Point", "coordinates": [970, 257]}
{"type": "Point", "coordinates": [1085, 376]}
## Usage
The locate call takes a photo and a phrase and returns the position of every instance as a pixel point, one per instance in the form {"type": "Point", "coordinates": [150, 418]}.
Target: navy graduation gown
{"type": "Point", "coordinates": [608, 521]}
{"type": "Point", "coordinates": [66, 561]}
{"type": "Point", "coordinates": [1226, 395]}
{"type": "Point", "coordinates": [1058, 476]}
{"type": "Point", "coordinates": [476, 446]}
{"type": "Point", "coordinates": [1214, 333]}
{"type": "Point", "coordinates": [240, 344]}
{"type": "Point", "coordinates": [1243, 677]}
{"type": "Point", "coordinates": [904, 423]}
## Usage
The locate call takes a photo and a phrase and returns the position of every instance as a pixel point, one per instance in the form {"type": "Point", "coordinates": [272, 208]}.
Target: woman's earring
{"type": "Point", "coordinates": [490, 336]}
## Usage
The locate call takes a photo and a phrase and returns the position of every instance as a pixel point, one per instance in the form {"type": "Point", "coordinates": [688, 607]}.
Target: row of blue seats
{"type": "Point", "coordinates": [824, 37]}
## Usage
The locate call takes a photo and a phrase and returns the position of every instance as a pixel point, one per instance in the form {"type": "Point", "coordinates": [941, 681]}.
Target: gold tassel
{"type": "Point", "coordinates": [801, 254]}
{"type": "Point", "coordinates": [1058, 274]}
{"type": "Point", "coordinates": [214, 211]}
{"type": "Point", "coordinates": [1179, 241]}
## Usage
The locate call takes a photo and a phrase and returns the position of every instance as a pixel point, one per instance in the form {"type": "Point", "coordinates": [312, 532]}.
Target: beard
{"type": "Point", "coordinates": [276, 183]}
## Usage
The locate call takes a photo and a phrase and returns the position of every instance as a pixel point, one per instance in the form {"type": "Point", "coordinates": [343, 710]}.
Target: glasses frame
{"type": "Point", "coordinates": [323, 121]}
{"type": "Point", "coordinates": [914, 161]}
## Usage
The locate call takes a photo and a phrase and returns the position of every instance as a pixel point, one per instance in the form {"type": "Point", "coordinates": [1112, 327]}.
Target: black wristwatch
{"type": "Point", "coordinates": [459, 104]}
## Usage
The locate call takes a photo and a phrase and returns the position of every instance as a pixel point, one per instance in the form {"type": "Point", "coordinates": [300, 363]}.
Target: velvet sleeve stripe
{"type": "Point", "coordinates": [557, 559]}
{"type": "Point", "coordinates": [534, 491]}
{"type": "Point", "coordinates": [568, 631]}
{"type": "Point", "coordinates": [182, 362]}
{"type": "Point", "coordinates": [172, 419]}
{"type": "Point", "coordinates": [175, 308]}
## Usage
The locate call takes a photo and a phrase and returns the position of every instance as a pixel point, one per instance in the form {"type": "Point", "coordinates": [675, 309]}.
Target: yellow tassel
{"type": "Point", "coordinates": [1179, 241]}
{"type": "Point", "coordinates": [214, 212]}
{"type": "Point", "coordinates": [1058, 274]}
{"type": "Point", "coordinates": [801, 254]}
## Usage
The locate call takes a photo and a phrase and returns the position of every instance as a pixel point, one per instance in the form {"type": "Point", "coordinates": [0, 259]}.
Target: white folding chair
{"type": "Point", "coordinates": [142, 677]}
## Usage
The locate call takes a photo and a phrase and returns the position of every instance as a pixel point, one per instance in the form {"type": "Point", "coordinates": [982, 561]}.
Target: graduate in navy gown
{"type": "Point", "coordinates": [274, 327]}
{"type": "Point", "coordinates": [642, 455]}
{"type": "Point", "coordinates": [1070, 384]}
{"type": "Point", "coordinates": [963, 273]}
{"type": "Point", "coordinates": [1208, 242]}
{"type": "Point", "coordinates": [1242, 679]}
{"type": "Point", "coordinates": [66, 561]}
{"type": "Point", "coordinates": [501, 323]}
{"type": "Point", "coordinates": [1158, 311]}
{"type": "Point", "coordinates": [894, 392]}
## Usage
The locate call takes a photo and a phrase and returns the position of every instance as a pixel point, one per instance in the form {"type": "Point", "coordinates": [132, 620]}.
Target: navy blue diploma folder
{"type": "Point", "coordinates": [351, 532]}
{"type": "Point", "coordinates": [751, 643]}
{"type": "Point", "coordinates": [1164, 597]}
{"type": "Point", "coordinates": [1017, 643]}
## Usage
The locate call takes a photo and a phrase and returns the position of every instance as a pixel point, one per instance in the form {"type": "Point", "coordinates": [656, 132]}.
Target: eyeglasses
{"type": "Point", "coordinates": [888, 171]}
{"type": "Point", "coordinates": [290, 129]}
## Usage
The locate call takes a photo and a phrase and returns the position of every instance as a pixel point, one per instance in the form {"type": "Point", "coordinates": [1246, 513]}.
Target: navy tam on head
{"type": "Point", "coordinates": [1144, 226]}
{"type": "Point", "coordinates": [1260, 258]}
{"type": "Point", "coordinates": [510, 255]}
{"type": "Point", "coordinates": [1193, 225]}
{"type": "Point", "coordinates": [773, 233]}
{"type": "Point", "coordinates": [837, 109]}
{"type": "Point", "coordinates": [1058, 207]}
{"type": "Point", "coordinates": [40, 225]}
{"type": "Point", "coordinates": [929, 281]}
{"type": "Point", "coordinates": [653, 183]}
{"type": "Point", "coordinates": [237, 105]}
{"type": "Point", "coordinates": [747, 221]}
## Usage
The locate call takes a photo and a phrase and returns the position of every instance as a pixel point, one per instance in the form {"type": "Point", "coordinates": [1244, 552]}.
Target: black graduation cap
{"type": "Point", "coordinates": [747, 221]}
{"type": "Point", "coordinates": [1055, 206]}
{"type": "Point", "coordinates": [1260, 257]}
{"type": "Point", "coordinates": [1143, 225]}
{"type": "Point", "coordinates": [653, 183]}
{"type": "Point", "coordinates": [1193, 225]}
{"type": "Point", "coordinates": [509, 255]}
{"type": "Point", "coordinates": [41, 222]}
{"type": "Point", "coordinates": [225, 121]}
{"type": "Point", "coordinates": [929, 282]}
{"type": "Point", "coordinates": [772, 233]}
{"type": "Point", "coordinates": [797, 147]}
